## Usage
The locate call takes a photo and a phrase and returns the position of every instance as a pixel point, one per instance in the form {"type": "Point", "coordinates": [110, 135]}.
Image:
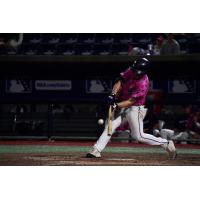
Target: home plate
{"type": "Point", "coordinates": [121, 159]}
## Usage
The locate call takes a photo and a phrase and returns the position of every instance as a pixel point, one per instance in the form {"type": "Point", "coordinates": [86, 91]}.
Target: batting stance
{"type": "Point", "coordinates": [127, 99]}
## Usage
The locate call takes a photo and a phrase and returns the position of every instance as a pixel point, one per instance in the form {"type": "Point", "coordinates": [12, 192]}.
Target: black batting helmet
{"type": "Point", "coordinates": [141, 66]}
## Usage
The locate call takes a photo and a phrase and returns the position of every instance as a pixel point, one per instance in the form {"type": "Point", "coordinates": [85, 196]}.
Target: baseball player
{"type": "Point", "coordinates": [127, 100]}
{"type": "Point", "coordinates": [184, 129]}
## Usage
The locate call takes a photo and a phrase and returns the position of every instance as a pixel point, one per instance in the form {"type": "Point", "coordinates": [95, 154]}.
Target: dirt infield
{"type": "Point", "coordinates": [108, 159]}
{"type": "Point", "coordinates": [43, 153]}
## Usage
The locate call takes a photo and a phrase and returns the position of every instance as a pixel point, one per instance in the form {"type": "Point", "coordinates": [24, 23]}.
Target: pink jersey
{"type": "Point", "coordinates": [133, 88]}
{"type": "Point", "coordinates": [191, 123]}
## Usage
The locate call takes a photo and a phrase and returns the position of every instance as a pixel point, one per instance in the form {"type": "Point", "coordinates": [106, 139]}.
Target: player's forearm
{"type": "Point", "coordinates": [125, 104]}
{"type": "Point", "coordinates": [116, 87]}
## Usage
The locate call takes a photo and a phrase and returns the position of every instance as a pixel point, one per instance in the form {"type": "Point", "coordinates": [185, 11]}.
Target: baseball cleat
{"type": "Point", "coordinates": [94, 153]}
{"type": "Point", "coordinates": [171, 149]}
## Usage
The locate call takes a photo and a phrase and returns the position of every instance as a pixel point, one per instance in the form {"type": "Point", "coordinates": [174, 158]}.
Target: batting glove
{"type": "Point", "coordinates": [111, 99]}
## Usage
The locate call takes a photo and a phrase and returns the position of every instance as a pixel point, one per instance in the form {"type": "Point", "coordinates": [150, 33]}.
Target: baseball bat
{"type": "Point", "coordinates": [110, 121]}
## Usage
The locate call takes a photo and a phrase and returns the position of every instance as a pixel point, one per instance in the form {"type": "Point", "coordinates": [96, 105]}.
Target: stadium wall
{"type": "Point", "coordinates": [32, 73]}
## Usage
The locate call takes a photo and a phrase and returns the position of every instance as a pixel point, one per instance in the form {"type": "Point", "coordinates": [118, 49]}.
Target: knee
{"type": "Point", "coordinates": [185, 135]}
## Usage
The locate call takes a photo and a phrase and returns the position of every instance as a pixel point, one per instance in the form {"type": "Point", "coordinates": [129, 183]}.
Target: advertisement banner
{"type": "Point", "coordinates": [18, 86]}
{"type": "Point", "coordinates": [53, 85]}
{"type": "Point", "coordinates": [181, 85]}
{"type": "Point", "coordinates": [98, 86]}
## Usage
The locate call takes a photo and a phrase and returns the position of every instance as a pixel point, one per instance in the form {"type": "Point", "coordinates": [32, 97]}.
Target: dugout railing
{"type": "Point", "coordinates": [67, 126]}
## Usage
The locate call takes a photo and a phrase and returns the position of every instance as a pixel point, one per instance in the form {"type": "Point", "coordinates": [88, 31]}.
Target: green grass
{"type": "Point", "coordinates": [57, 149]}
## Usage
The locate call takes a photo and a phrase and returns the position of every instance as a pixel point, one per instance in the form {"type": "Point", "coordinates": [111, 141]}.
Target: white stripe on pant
{"type": "Point", "coordinates": [134, 115]}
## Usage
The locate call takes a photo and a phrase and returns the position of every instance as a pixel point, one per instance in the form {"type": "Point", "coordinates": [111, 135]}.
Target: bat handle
{"type": "Point", "coordinates": [110, 121]}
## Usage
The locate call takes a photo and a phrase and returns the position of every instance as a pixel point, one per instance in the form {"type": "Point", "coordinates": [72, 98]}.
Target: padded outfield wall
{"type": "Point", "coordinates": [80, 70]}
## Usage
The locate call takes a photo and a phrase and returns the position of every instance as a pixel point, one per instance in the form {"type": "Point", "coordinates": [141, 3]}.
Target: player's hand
{"type": "Point", "coordinates": [111, 99]}
{"type": "Point", "coordinates": [114, 106]}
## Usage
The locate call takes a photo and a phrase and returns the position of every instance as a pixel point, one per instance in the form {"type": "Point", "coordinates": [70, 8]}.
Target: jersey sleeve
{"type": "Point", "coordinates": [124, 76]}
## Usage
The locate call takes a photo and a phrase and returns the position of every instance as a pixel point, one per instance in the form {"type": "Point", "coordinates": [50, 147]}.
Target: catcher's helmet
{"type": "Point", "coordinates": [141, 66]}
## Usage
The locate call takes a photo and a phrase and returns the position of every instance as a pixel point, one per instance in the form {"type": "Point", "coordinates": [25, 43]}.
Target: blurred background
{"type": "Point", "coordinates": [54, 85]}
